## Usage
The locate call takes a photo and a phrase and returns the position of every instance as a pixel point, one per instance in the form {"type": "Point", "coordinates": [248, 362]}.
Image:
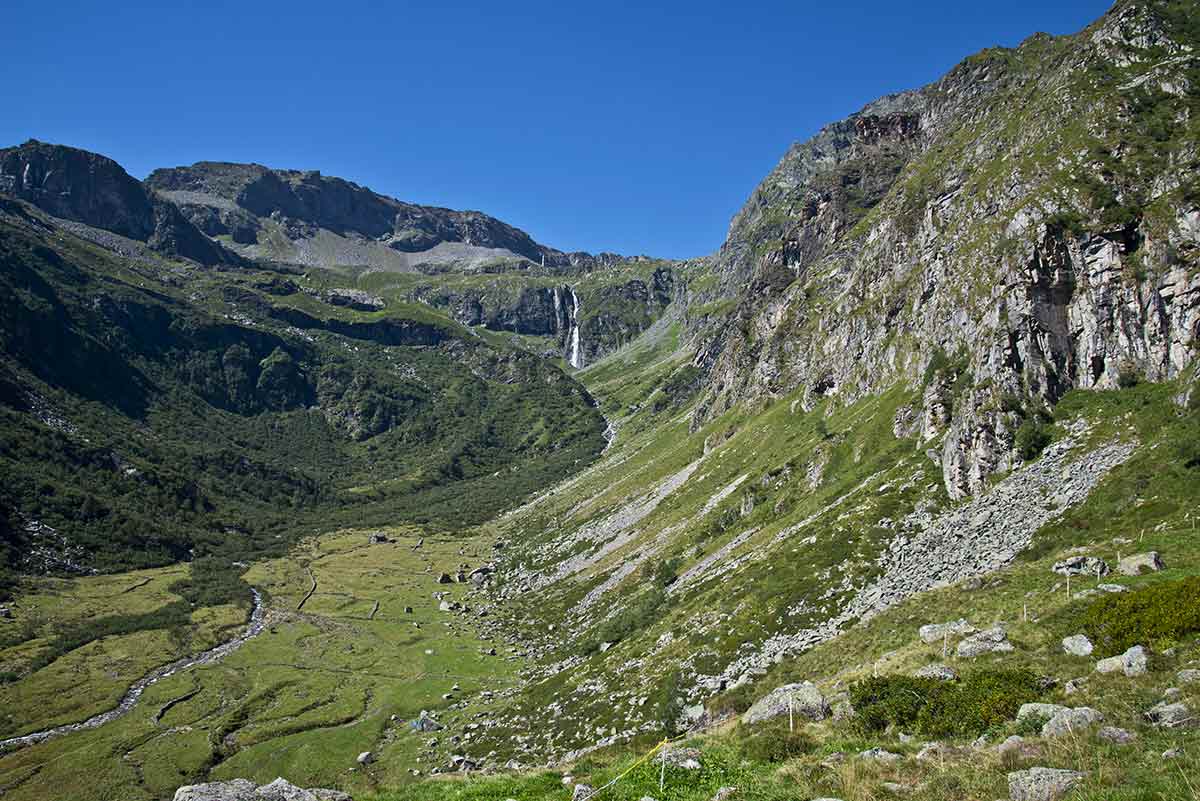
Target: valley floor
{"type": "Point", "coordinates": [340, 669]}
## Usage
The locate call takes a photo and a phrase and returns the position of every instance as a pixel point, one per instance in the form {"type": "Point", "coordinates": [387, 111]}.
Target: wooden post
{"type": "Point", "coordinates": [791, 724]}
{"type": "Point", "coordinates": [1068, 587]}
{"type": "Point", "coordinates": [945, 643]}
{"type": "Point", "coordinates": [662, 772]}
{"type": "Point", "coordinates": [1025, 613]}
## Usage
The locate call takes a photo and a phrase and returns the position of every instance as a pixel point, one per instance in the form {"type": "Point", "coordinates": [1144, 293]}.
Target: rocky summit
{"type": "Point", "coordinates": [893, 495]}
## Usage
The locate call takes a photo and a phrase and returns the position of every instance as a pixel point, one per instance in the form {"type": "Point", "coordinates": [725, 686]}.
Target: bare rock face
{"type": "Point", "coordinates": [92, 189]}
{"type": "Point", "coordinates": [993, 308]}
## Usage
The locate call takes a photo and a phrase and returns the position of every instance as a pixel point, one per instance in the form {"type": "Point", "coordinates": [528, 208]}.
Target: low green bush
{"type": "Point", "coordinates": [1155, 616]}
{"type": "Point", "coordinates": [773, 741]}
{"type": "Point", "coordinates": [968, 707]}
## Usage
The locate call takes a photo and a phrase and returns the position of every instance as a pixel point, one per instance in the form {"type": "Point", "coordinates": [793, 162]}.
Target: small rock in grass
{"type": "Point", "coordinates": [939, 672]}
{"type": "Point", "coordinates": [581, 792]}
{"type": "Point", "coordinates": [724, 793]}
{"type": "Point", "coordinates": [936, 632]}
{"type": "Point", "coordinates": [994, 640]}
{"type": "Point", "coordinates": [1044, 711]}
{"type": "Point", "coordinates": [1172, 716]}
{"type": "Point", "coordinates": [1077, 645]}
{"type": "Point", "coordinates": [1187, 676]}
{"type": "Point", "coordinates": [366, 758]}
{"type": "Point", "coordinates": [1116, 736]}
{"type": "Point", "coordinates": [880, 755]}
{"type": "Point", "coordinates": [1172, 753]}
{"type": "Point", "coordinates": [1042, 784]}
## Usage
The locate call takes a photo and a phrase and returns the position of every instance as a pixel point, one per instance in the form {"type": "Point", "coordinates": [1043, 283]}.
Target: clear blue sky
{"type": "Point", "coordinates": [594, 126]}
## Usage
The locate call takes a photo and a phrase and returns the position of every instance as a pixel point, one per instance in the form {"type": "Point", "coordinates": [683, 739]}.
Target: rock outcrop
{"type": "Point", "coordinates": [89, 188]}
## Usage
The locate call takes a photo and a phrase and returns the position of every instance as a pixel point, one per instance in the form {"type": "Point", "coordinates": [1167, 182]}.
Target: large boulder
{"type": "Point", "coordinates": [1040, 711]}
{"type": "Point", "coordinates": [994, 640]}
{"type": "Point", "coordinates": [1133, 662]}
{"type": "Point", "coordinates": [1071, 721]}
{"type": "Point", "coordinates": [938, 671]}
{"type": "Point", "coordinates": [1081, 566]}
{"type": "Point", "coordinates": [1042, 784]}
{"type": "Point", "coordinates": [1139, 563]}
{"type": "Point", "coordinates": [802, 700]}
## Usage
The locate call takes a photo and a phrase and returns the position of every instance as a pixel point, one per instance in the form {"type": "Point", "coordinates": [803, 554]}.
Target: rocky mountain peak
{"type": "Point", "coordinates": [86, 187]}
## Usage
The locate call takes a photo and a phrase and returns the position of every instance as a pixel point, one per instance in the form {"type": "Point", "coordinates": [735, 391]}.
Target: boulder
{"type": "Point", "coordinates": [1081, 566]}
{"type": "Point", "coordinates": [880, 755]}
{"type": "Point", "coordinates": [1187, 676]}
{"type": "Point", "coordinates": [1139, 563]}
{"type": "Point", "coordinates": [1116, 736]}
{"type": "Point", "coordinates": [1172, 716]}
{"type": "Point", "coordinates": [939, 672]}
{"type": "Point", "coordinates": [1042, 784]}
{"type": "Point", "coordinates": [1133, 662]}
{"type": "Point", "coordinates": [445, 579]}
{"type": "Point", "coordinates": [1077, 645]}
{"type": "Point", "coordinates": [803, 700]}
{"type": "Point", "coordinates": [686, 758]}
{"type": "Point", "coordinates": [582, 792]}
{"type": "Point", "coordinates": [1019, 747]}
{"type": "Point", "coordinates": [1071, 721]}
{"type": "Point", "coordinates": [366, 758]}
{"type": "Point", "coordinates": [424, 723]}
{"type": "Point", "coordinates": [994, 640]}
{"type": "Point", "coordinates": [724, 793]}
{"type": "Point", "coordinates": [378, 538]}
{"type": "Point", "coordinates": [936, 632]}
{"type": "Point", "coordinates": [1041, 711]}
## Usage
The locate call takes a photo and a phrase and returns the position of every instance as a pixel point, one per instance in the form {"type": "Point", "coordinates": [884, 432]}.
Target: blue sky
{"type": "Point", "coordinates": [601, 126]}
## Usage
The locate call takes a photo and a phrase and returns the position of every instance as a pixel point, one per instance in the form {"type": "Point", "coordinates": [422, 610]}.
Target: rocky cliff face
{"type": "Point", "coordinates": [252, 204]}
{"type": "Point", "coordinates": [89, 188]}
{"type": "Point", "coordinates": [586, 320]}
{"type": "Point", "coordinates": [1028, 224]}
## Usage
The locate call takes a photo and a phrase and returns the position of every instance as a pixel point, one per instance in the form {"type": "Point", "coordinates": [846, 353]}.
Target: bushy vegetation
{"type": "Point", "coordinates": [964, 708]}
{"type": "Point", "coordinates": [1155, 616]}
{"type": "Point", "coordinates": [773, 741]}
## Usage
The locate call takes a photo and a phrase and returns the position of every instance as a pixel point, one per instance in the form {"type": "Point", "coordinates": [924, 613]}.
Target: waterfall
{"type": "Point", "coordinates": [575, 360]}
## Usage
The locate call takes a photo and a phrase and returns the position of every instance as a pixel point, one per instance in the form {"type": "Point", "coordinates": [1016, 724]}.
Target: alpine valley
{"type": "Point", "coordinates": [895, 495]}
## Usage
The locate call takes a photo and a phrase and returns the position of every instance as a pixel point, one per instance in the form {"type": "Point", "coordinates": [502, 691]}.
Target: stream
{"type": "Point", "coordinates": [130, 699]}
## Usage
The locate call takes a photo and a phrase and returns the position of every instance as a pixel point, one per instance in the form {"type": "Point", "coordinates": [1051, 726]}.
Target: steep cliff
{"type": "Point", "coordinates": [92, 189]}
{"type": "Point", "coordinates": [1025, 225]}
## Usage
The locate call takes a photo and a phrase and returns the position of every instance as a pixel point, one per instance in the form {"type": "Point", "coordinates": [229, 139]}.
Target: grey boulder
{"type": "Point", "coordinates": [935, 632]}
{"type": "Point", "coordinates": [1081, 566]}
{"type": "Point", "coordinates": [1042, 784]}
{"type": "Point", "coordinates": [243, 790]}
{"type": "Point", "coordinates": [1133, 662]}
{"type": "Point", "coordinates": [1139, 563]}
{"type": "Point", "coordinates": [1172, 716]}
{"type": "Point", "coordinates": [1077, 645]}
{"type": "Point", "coordinates": [1071, 721]}
{"type": "Point", "coordinates": [803, 700]}
{"type": "Point", "coordinates": [994, 640]}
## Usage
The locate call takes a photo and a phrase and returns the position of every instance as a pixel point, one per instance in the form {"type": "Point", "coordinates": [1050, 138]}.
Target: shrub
{"type": "Point", "coordinates": [1127, 376]}
{"type": "Point", "coordinates": [1156, 615]}
{"type": "Point", "coordinates": [1032, 437]}
{"type": "Point", "coordinates": [968, 707]}
{"type": "Point", "coordinates": [773, 741]}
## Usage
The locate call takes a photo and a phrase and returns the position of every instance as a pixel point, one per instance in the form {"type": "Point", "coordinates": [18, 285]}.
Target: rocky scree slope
{"type": "Point", "coordinates": [1025, 225]}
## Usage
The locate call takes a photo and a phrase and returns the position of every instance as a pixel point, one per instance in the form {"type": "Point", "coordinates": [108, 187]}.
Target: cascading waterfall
{"type": "Point", "coordinates": [575, 360]}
